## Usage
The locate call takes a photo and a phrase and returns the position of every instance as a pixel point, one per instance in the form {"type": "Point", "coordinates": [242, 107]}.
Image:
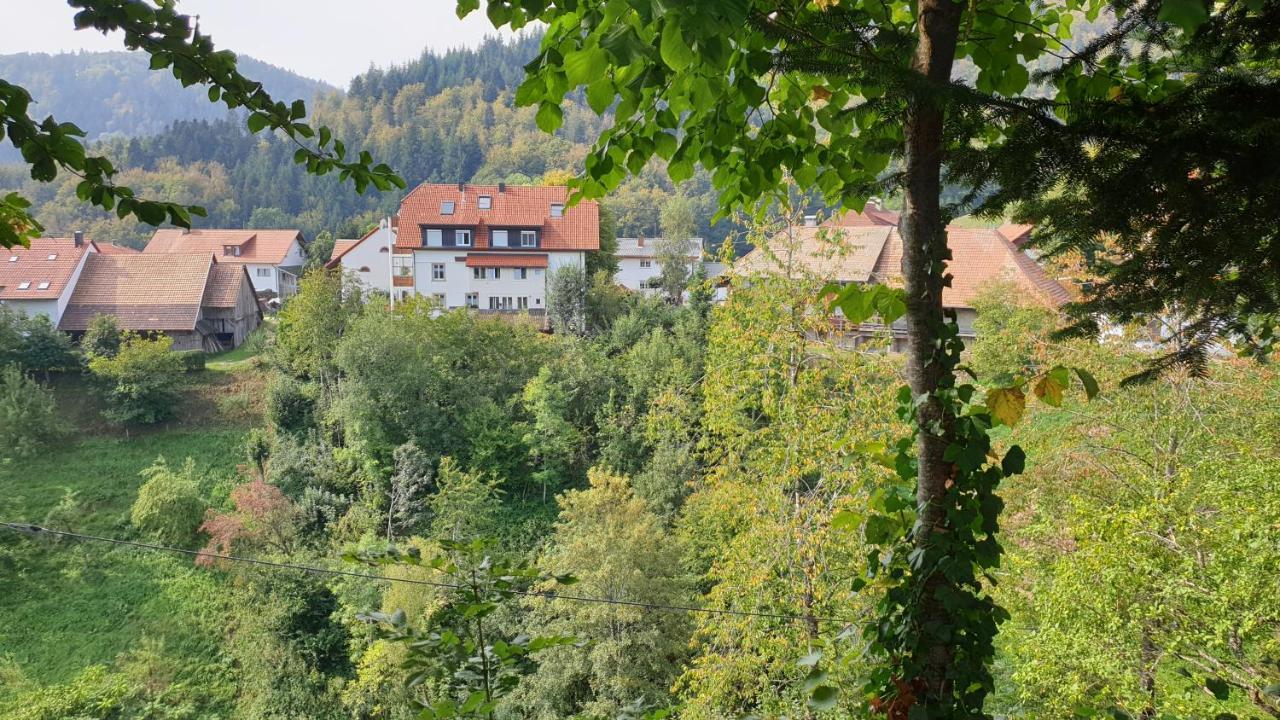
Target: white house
{"type": "Point", "coordinates": [489, 247]}
{"type": "Point", "coordinates": [367, 258]}
{"type": "Point", "coordinates": [638, 265]}
{"type": "Point", "coordinates": [39, 280]}
{"type": "Point", "coordinates": [274, 258]}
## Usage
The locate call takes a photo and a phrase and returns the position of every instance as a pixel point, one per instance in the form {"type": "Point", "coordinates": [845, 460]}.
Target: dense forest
{"type": "Point", "coordinates": [676, 458]}
{"type": "Point", "coordinates": [443, 118]}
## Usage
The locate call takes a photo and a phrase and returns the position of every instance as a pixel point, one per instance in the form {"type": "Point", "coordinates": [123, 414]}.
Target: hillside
{"type": "Point", "coordinates": [116, 93]}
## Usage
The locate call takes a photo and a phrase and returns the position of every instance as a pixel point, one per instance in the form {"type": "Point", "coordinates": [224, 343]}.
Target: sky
{"type": "Point", "coordinates": [330, 40]}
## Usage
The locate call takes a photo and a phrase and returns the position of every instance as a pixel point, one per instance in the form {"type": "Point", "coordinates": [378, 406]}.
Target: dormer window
{"type": "Point", "coordinates": [557, 210]}
{"type": "Point", "coordinates": [53, 256]}
{"type": "Point", "coordinates": [484, 202]}
{"type": "Point", "coordinates": [232, 250]}
{"type": "Point", "coordinates": [24, 285]}
{"type": "Point", "coordinates": [13, 258]}
{"type": "Point", "coordinates": [446, 207]}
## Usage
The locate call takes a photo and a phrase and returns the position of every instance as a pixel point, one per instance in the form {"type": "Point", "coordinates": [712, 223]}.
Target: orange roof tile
{"type": "Point", "coordinates": [44, 278]}
{"type": "Point", "coordinates": [869, 217]}
{"type": "Point", "coordinates": [506, 260]}
{"type": "Point", "coordinates": [268, 247]}
{"type": "Point", "coordinates": [142, 291]}
{"type": "Point", "coordinates": [225, 281]}
{"type": "Point", "coordinates": [516, 206]}
{"type": "Point", "coordinates": [1016, 233]}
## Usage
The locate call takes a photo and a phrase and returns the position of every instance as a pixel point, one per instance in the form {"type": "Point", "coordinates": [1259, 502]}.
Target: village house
{"type": "Point", "coordinates": [39, 280]}
{"type": "Point", "coordinates": [368, 258]}
{"type": "Point", "coordinates": [862, 249]}
{"type": "Point", "coordinates": [201, 303]}
{"type": "Point", "coordinates": [273, 258]}
{"type": "Point", "coordinates": [639, 267]}
{"type": "Point", "coordinates": [489, 247]}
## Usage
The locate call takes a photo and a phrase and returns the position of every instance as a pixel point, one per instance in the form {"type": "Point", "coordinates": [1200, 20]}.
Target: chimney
{"type": "Point", "coordinates": [79, 238]}
{"type": "Point", "coordinates": [462, 187]}
{"type": "Point", "coordinates": [502, 187]}
{"type": "Point", "coordinates": [640, 241]}
{"type": "Point", "coordinates": [873, 203]}
{"type": "Point", "coordinates": [811, 221]}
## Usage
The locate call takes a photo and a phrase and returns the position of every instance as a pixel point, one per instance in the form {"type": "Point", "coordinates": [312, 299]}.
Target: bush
{"type": "Point", "coordinates": [169, 506]}
{"type": "Point", "coordinates": [142, 382]}
{"type": "Point", "coordinates": [34, 343]}
{"type": "Point", "coordinates": [290, 405]}
{"type": "Point", "coordinates": [28, 417]}
{"type": "Point", "coordinates": [102, 337]}
{"type": "Point", "coordinates": [192, 360]}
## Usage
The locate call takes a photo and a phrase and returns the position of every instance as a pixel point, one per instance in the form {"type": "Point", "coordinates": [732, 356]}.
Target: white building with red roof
{"type": "Point", "coordinates": [367, 258]}
{"type": "Point", "coordinates": [39, 280]}
{"type": "Point", "coordinates": [274, 258]}
{"type": "Point", "coordinates": [489, 247]}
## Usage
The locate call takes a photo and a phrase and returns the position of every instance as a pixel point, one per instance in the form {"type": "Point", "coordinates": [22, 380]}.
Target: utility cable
{"type": "Point", "coordinates": [37, 531]}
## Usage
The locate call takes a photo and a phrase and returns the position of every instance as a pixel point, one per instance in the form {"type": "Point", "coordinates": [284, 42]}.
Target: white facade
{"type": "Point", "coordinates": [443, 274]}
{"type": "Point", "coordinates": [369, 260]}
{"type": "Point", "coordinates": [53, 308]}
{"type": "Point", "coordinates": [282, 278]}
{"type": "Point", "coordinates": [638, 266]}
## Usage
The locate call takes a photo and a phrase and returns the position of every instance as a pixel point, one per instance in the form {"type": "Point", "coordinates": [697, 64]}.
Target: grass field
{"type": "Point", "coordinates": [70, 605]}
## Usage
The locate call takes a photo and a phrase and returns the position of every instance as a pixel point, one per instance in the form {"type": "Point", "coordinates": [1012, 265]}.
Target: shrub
{"type": "Point", "coordinates": [101, 337]}
{"type": "Point", "coordinates": [169, 506]}
{"type": "Point", "coordinates": [44, 348]}
{"type": "Point", "coordinates": [290, 405]}
{"type": "Point", "coordinates": [192, 360]}
{"type": "Point", "coordinates": [141, 383]}
{"type": "Point", "coordinates": [28, 417]}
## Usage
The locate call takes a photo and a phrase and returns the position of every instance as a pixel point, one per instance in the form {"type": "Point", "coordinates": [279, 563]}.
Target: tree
{"type": "Point", "coordinates": [172, 42]}
{"type": "Point", "coordinates": [29, 418]}
{"type": "Point", "coordinates": [269, 217]}
{"type": "Point", "coordinates": [617, 549]}
{"type": "Point", "coordinates": [411, 483]}
{"type": "Point", "coordinates": [101, 337]}
{"type": "Point", "coordinates": [262, 517]}
{"type": "Point", "coordinates": [672, 249]}
{"type": "Point", "coordinates": [606, 258]}
{"type": "Point", "coordinates": [567, 299]}
{"type": "Point", "coordinates": [44, 348]}
{"type": "Point", "coordinates": [827, 94]}
{"type": "Point", "coordinates": [311, 327]}
{"type": "Point", "coordinates": [141, 384]}
{"type": "Point", "coordinates": [168, 506]}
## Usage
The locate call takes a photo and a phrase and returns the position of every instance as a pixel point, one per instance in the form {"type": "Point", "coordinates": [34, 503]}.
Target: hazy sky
{"type": "Point", "coordinates": [332, 40]}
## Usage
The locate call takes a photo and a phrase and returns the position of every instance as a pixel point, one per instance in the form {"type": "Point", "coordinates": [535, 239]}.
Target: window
{"type": "Point", "coordinates": [484, 202]}
{"type": "Point", "coordinates": [264, 272]}
{"type": "Point", "coordinates": [500, 303]}
{"type": "Point", "coordinates": [473, 300]}
{"type": "Point", "coordinates": [364, 268]}
{"type": "Point", "coordinates": [231, 250]}
{"type": "Point", "coordinates": [537, 272]}
{"type": "Point", "coordinates": [439, 298]}
{"type": "Point", "coordinates": [446, 207]}
{"type": "Point", "coordinates": [43, 286]}
{"type": "Point", "coordinates": [481, 273]}
{"type": "Point", "coordinates": [54, 256]}
{"type": "Point", "coordinates": [557, 210]}
{"type": "Point", "coordinates": [646, 263]}
{"type": "Point", "coordinates": [433, 238]}
{"type": "Point", "coordinates": [499, 237]}
{"type": "Point", "coordinates": [437, 271]}
{"type": "Point", "coordinates": [13, 258]}
{"type": "Point", "coordinates": [528, 238]}
{"type": "Point", "coordinates": [462, 238]}
{"type": "Point", "coordinates": [522, 273]}
{"type": "Point", "coordinates": [24, 285]}
{"type": "Point", "coordinates": [402, 265]}
{"type": "Point", "coordinates": [522, 303]}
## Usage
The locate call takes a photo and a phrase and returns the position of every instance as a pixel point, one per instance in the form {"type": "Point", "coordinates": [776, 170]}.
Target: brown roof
{"type": "Point", "coordinates": [845, 254]}
{"type": "Point", "coordinates": [513, 207]}
{"type": "Point", "coordinates": [510, 260]}
{"type": "Point", "coordinates": [225, 281]}
{"type": "Point", "coordinates": [1016, 233]}
{"type": "Point", "coordinates": [870, 216]}
{"type": "Point", "coordinates": [268, 247]}
{"type": "Point", "coordinates": [33, 266]}
{"type": "Point", "coordinates": [114, 249]}
{"type": "Point", "coordinates": [142, 291]}
{"type": "Point", "coordinates": [979, 257]}
{"type": "Point", "coordinates": [342, 246]}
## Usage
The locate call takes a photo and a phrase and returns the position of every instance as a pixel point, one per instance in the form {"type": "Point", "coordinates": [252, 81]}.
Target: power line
{"type": "Point", "coordinates": [36, 531]}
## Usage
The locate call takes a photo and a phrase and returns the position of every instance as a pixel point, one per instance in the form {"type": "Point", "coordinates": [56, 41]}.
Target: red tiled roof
{"type": "Point", "coordinates": [142, 291]}
{"type": "Point", "coordinates": [33, 267]}
{"type": "Point", "coordinates": [1015, 233]}
{"type": "Point", "coordinates": [268, 247]}
{"type": "Point", "coordinates": [506, 260]}
{"type": "Point", "coordinates": [979, 257]}
{"type": "Point", "coordinates": [114, 249]}
{"type": "Point", "coordinates": [513, 207]}
{"type": "Point", "coordinates": [869, 217]}
{"type": "Point", "coordinates": [225, 281]}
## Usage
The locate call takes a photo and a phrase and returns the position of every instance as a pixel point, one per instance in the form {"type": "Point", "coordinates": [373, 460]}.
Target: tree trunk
{"type": "Point", "coordinates": [924, 249]}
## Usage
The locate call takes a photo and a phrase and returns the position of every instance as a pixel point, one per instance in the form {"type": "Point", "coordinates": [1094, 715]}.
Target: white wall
{"type": "Point", "coordinates": [31, 308]}
{"type": "Point", "coordinates": [631, 275]}
{"type": "Point", "coordinates": [459, 280]}
{"type": "Point", "coordinates": [263, 277]}
{"type": "Point", "coordinates": [373, 253]}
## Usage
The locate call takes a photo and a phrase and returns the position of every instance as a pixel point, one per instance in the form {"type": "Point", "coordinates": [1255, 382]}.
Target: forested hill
{"type": "Point", "coordinates": [116, 92]}
{"type": "Point", "coordinates": [442, 118]}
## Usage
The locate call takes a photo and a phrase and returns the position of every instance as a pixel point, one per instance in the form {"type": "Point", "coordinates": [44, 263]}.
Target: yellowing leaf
{"type": "Point", "coordinates": [1006, 405]}
{"type": "Point", "coordinates": [1049, 389]}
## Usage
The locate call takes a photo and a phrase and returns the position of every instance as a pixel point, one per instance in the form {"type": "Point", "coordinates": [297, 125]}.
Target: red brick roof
{"type": "Point", "coordinates": [142, 291]}
{"type": "Point", "coordinates": [266, 247]}
{"type": "Point", "coordinates": [514, 207]}
{"type": "Point", "coordinates": [1015, 233]}
{"type": "Point", "coordinates": [32, 266]}
{"type": "Point", "coordinates": [510, 260]}
{"type": "Point", "coordinates": [224, 285]}
{"type": "Point", "coordinates": [869, 217]}
{"type": "Point", "coordinates": [979, 257]}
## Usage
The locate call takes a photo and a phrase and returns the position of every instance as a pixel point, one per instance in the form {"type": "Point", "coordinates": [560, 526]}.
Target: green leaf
{"type": "Point", "coordinates": [1089, 382]}
{"type": "Point", "coordinates": [549, 116]}
{"type": "Point", "coordinates": [257, 122]}
{"type": "Point", "coordinates": [1049, 389]}
{"type": "Point", "coordinates": [845, 520]}
{"type": "Point", "coordinates": [675, 52]}
{"type": "Point", "coordinates": [1014, 462]}
{"type": "Point", "coordinates": [823, 697]}
{"type": "Point", "coordinates": [600, 95]}
{"type": "Point", "coordinates": [1186, 14]}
